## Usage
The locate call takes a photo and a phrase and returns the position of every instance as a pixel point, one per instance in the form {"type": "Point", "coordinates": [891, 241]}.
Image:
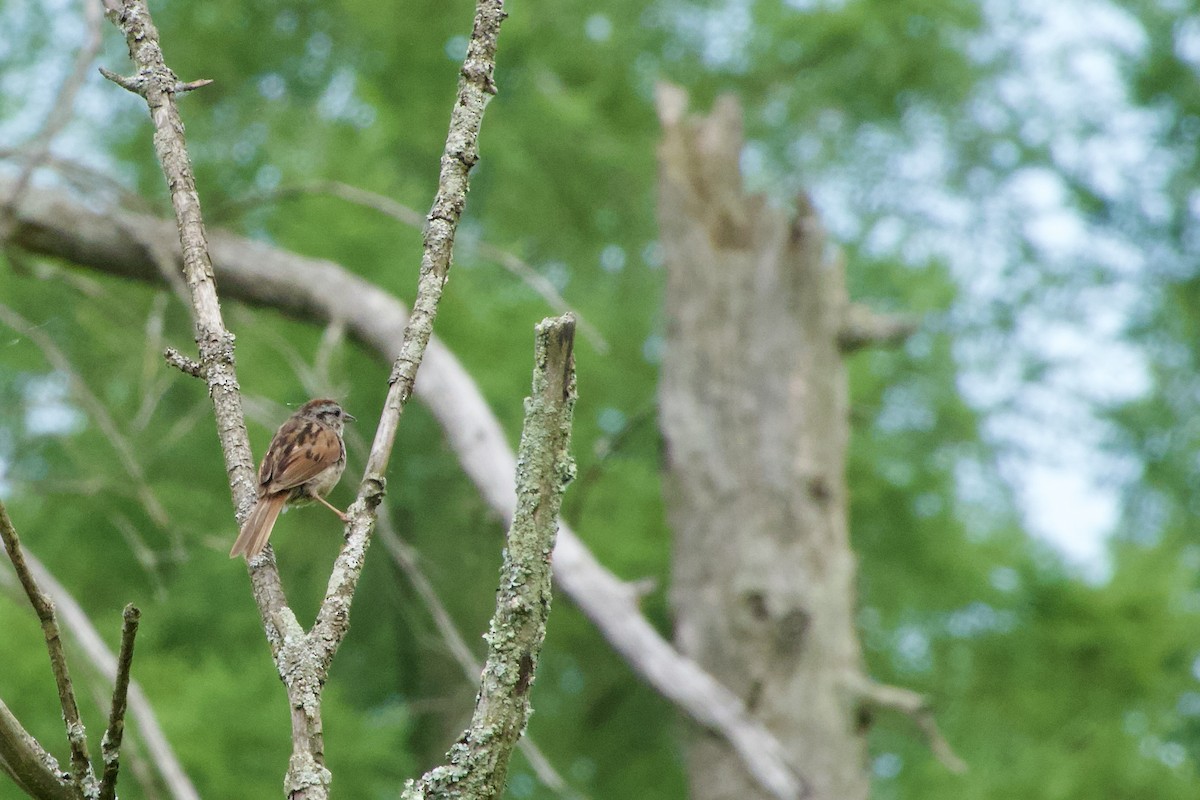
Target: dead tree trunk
{"type": "Point", "coordinates": [754, 413]}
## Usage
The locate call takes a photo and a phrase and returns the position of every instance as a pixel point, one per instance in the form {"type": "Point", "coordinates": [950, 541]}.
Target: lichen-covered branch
{"type": "Point", "coordinates": [110, 746]}
{"type": "Point", "coordinates": [475, 88]}
{"type": "Point", "coordinates": [27, 763]}
{"type": "Point", "coordinates": [478, 762]}
{"type": "Point", "coordinates": [157, 84]}
{"type": "Point", "coordinates": [81, 765]}
{"type": "Point", "coordinates": [405, 557]}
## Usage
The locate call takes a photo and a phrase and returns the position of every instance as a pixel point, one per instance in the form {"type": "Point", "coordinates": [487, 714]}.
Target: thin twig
{"type": "Point", "coordinates": [93, 646]}
{"type": "Point", "coordinates": [60, 114]}
{"type": "Point", "coordinates": [478, 762]}
{"type": "Point", "coordinates": [81, 765]}
{"type": "Point", "coordinates": [150, 560]}
{"type": "Point", "coordinates": [915, 706]}
{"type": "Point", "coordinates": [110, 746]}
{"type": "Point", "coordinates": [412, 218]}
{"type": "Point", "coordinates": [96, 410]}
{"type": "Point", "coordinates": [179, 361]}
{"type": "Point", "coordinates": [133, 760]}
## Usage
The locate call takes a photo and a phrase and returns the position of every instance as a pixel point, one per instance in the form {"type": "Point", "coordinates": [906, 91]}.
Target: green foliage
{"type": "Point", "coordinates": [1049, 687]}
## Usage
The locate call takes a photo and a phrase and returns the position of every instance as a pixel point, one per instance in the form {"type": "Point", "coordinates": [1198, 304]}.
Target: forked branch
{"type": "Point", "coordinates": [303, 659]}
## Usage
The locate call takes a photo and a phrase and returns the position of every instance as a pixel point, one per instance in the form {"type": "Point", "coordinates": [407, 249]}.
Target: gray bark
{"type": "Point", "coordinates": [754, 414]}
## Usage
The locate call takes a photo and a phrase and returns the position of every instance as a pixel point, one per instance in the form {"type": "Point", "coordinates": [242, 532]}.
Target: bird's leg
{"type": "Point", "coordinates": [341, 514]}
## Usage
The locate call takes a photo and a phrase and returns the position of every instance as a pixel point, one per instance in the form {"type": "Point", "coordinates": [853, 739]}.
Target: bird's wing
{"type": "Point", "coordinates": [299, 452]}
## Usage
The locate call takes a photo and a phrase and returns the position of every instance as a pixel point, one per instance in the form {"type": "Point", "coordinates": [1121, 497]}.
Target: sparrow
{"type": "Point", "coordinates": [303, 464]}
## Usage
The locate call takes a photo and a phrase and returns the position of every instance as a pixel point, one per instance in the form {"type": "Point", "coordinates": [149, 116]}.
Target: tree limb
{"type": "Point", "coordinates": [32, 769]}
{"type": "Point", "coordinates": [478, 762]}
{"type": "Point", "coordinates": [81, 765]}
{"type": "Point", "coordinates": [51, 223]}
{"type": "Point", "coordinates": [863, 327]}
{"type": "Point", "coordinates": [406, 558]}
{"type": "Point", "coordinates": [475, 89]}
{"type": "Point", "coordinates": [913, 705]}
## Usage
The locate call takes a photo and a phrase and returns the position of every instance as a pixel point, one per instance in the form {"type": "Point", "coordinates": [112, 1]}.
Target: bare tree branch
{"type": "Point", "coordinates": [303, 659]}
{"type": "Point", "coordinates": [111, 744]}
{"type": "Point", "coordinates": [863, 327]}
{"type": "Point", "coordinates": [157, 84]}
{"type": "Point", "coordinates": [182, 363]}
{"type": "Point", "coordinates": [913, 705]}
{"type": "Point", "coordinates": [81, 765]}
{"type": "Point", "coordinates": [475, 89]}
{"type": "Point", "coordinates": [406, 558]}
{"type": "Point", "coordinates": [315, 290]}
{"type": "Point", "coordinates": [478, 762]}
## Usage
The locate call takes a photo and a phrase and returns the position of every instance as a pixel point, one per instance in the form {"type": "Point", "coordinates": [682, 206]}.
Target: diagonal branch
{"type": "Point", "coordinates": [81, 765]}
{"type": "Point", "coordinates": [478, 762]}
{"type": "Point", "coordinates": [157, 84]}
{"type": "Point", "coordinates": [31, 768]}
{"type": "Point", "coordinates": [475, 89]}
{"type": "Point", "coordinates": [61, 111]}
{"type": "Point", "coordinates": [914, 705]}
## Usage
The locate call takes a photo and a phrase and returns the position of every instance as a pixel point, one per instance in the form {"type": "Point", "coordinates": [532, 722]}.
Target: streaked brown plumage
{"type": "Point", "coordinates": [302, 465]}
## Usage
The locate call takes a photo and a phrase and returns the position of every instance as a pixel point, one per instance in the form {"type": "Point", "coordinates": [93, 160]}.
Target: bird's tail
{"type": "Point", "coordinates": [257, 530]}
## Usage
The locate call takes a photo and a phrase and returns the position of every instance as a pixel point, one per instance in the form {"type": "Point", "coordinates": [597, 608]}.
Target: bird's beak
{"type": "Point", "coordinates": [348, 417]}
